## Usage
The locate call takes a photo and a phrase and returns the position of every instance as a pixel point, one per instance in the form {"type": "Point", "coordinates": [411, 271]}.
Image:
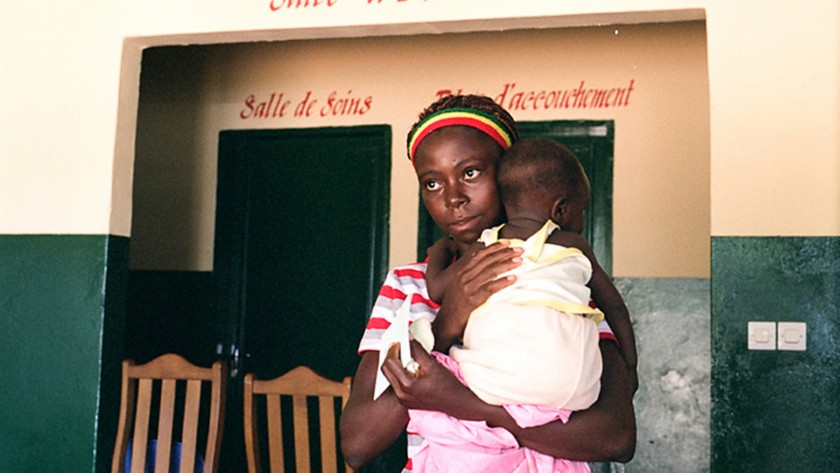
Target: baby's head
{"type": "Point", "coordinates": [542, 178]}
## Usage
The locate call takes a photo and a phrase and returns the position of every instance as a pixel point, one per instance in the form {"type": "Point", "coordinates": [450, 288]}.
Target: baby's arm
{"type": "Point", "coordinates": [439, 273]}
{"type": "Point", "coordinates": [608, 300]}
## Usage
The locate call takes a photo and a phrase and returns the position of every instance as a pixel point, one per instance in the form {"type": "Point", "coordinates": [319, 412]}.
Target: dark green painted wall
{"type": "Point", "coordinates": [63, 311]}
{"type": "Point", "coordinates": [775, 411]}
{"type": "Point", "coordinates": [60, 342]}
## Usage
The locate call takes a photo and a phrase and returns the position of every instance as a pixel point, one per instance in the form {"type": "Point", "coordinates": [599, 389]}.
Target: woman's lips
{"type": "Point", "coordinates": [462, 224]}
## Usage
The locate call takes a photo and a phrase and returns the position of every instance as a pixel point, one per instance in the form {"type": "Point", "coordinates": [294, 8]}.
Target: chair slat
{"type": "Point", "coordinates": [164, 435]}
{"type": "Point", "coordinates": [217, 418]}
{"type": "Point", "coordinates": [301, 420]}
{"type": "Point", "coordinates": [252, 445]}
{"type": "Point", "coordinates": [128, 394]}
{"type": "Point", "coordinates": [326, 411]}
{"type": "Point", "coordinates": [275, 433]}
{"type": "Point", "coordinates": [189, 432]}
{"type": "Point", "coordinates": [141, 426]}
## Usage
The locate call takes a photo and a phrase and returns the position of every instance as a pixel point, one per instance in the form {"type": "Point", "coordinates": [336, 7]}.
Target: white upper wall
{"type": "Point", "coordinates": [65, 158]}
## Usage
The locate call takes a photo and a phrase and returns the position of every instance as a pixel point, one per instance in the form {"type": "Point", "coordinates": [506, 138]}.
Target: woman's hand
{"type": "Point", "coordinates": [432, 387]}
{"type": "Point", "coordinates": [476, 278]}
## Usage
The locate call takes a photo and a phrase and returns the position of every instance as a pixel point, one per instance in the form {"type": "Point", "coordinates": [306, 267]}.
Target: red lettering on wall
{"type": "Point", "coordinates": [346, 105]}
{"type": "Point", "coordinates": [274, 107]}
{"type": "Point", "coordinates": [444, 92]}
{"type": "Point", "coordinates": [581, 96]}
{"type": "Point", "coordinates": [304, 107]}
{"type": "Point", "coordinates": [277, 105]}
{"type": "Point", "coordinates": [249, 108]}
{"type": "Point", "coordinates": [275, 5]}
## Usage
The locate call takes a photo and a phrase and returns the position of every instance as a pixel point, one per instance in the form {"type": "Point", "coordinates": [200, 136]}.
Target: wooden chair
{"type": "Point", "coordinates": [299, 383]}
{"type": "Point", "coordinates": [177, 378]}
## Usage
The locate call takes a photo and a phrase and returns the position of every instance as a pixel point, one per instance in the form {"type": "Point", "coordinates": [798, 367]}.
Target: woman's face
{"type": "Point", "coordinates": [456, 169]}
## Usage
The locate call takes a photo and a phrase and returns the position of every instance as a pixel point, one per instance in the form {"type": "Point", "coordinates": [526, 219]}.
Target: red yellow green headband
{"type": "Point", "coordinates": [488, 124]}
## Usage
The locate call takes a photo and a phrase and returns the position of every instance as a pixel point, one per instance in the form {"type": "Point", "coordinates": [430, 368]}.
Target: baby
{"type": "Point", "coordinates": [536, 341]}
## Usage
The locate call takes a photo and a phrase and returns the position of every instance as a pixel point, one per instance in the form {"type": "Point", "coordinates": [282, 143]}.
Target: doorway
{"type": "Point", "coordinates": [301, 250]}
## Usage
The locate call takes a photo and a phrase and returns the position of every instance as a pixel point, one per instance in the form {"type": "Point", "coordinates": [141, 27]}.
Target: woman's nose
{"type": "Point", "coordinates": [455, 197]}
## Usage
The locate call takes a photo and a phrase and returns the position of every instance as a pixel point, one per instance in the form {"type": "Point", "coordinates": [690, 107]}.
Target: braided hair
{"type": "Point", "coordinates": [479, 103]}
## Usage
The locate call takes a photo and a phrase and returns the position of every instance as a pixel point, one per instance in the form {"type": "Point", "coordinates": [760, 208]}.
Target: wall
{"type": "Point", "coordinates": [661, 175]}
{"type": "Point", "coordinates": [671, 321]}
{"type": "Point", "coordinates": [60, 337]}
{"type": "Point", "coordinates": [775, 410]}
{"type": "Point", "coordinates": [67, 134]}
{"type": "Point", "coordinates": [749, 66]}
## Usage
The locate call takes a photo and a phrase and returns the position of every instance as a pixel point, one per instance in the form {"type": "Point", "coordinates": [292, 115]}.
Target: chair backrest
{"type": "Point", "coordinates": [176, 385]}
{"type": "Point", "coordinates": [299, 383]}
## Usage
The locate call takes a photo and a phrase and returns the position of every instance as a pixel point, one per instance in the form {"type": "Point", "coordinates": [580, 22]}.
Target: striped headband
{"type": "Point", "coordinates": [486, 123]}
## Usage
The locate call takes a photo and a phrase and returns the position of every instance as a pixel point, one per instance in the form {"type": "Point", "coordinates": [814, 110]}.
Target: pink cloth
{"type": "Point", "coordinates": [450, 444]}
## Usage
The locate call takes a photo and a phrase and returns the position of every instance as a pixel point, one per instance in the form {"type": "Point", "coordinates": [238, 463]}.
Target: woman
{"type": "Point", "coordinates": [455, 153]}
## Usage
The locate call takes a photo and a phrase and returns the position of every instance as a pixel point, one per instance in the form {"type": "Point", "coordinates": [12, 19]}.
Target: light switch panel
{"type": "Point", "coordinates": [792, 336]}
{"type": "Point", "coordinates": [761, 335]}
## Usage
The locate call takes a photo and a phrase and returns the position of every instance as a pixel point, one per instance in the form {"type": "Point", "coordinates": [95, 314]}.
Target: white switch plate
{"type": "Point", "coordinates": [792, 336]}
{"type": "Point", "coordinates": [761, 335]}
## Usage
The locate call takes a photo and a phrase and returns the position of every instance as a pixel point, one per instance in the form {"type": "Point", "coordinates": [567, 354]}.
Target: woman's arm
{"type": "Point", "coordinates": [604, 432]}
{"type": "Point", "coordinates": [361, 439]}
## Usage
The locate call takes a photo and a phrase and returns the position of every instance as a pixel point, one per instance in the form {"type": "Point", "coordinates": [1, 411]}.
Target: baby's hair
{"type": "Point", "coordinates": [480, 103]}
{"type": "Point", "coordinates": [543, 166]}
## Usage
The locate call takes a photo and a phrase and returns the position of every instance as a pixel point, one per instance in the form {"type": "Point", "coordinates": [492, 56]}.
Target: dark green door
{"type": "Point", "coordinates": [592, 143]}
{"type": "Point", "coordinates": [300, 252]}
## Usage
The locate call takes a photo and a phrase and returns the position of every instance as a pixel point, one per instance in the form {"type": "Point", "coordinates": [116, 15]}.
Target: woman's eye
{"type": "Point", "coordinates": [471, 173]}
{"type": "Point", "coordinates": [431, 185]}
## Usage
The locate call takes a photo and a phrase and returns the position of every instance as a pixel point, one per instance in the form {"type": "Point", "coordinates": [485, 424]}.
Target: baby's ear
{"type": "Point", "coordinates": [559, 209]}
